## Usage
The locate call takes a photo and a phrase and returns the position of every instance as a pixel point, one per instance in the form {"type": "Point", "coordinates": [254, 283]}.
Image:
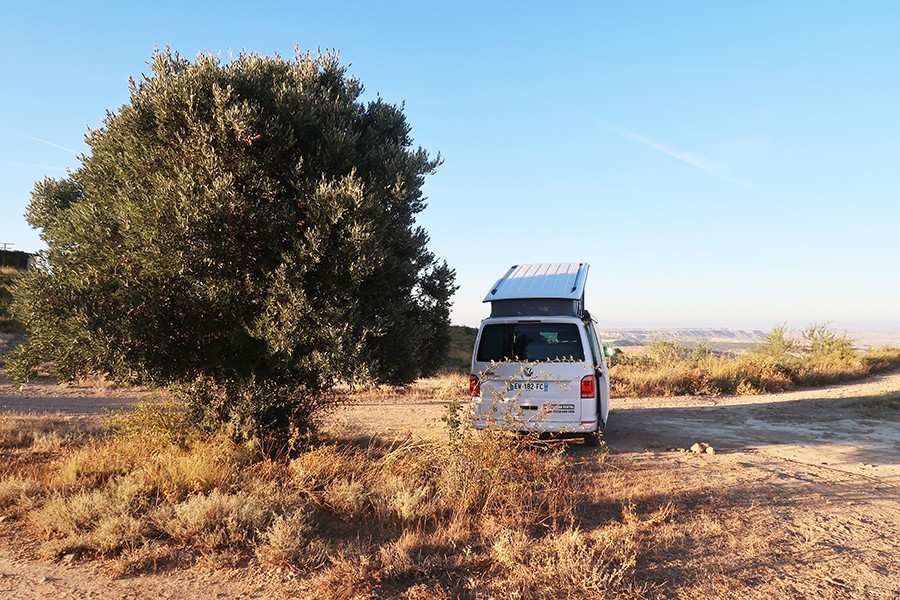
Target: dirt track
{"type": "Point", "coordinates": [809, 481]}
{"type": "Point", "coordinates": [853, 428]}
{"type": "Point", "coordinates": [850, 428]}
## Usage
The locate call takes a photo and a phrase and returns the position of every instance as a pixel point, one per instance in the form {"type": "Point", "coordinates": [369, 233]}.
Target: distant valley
{"type": "Point", "coordinates": [731, 339]}
{"type": "Point", "coordinates": [717, 338]}
{"type": "Point", "coordinates": [721, 339]}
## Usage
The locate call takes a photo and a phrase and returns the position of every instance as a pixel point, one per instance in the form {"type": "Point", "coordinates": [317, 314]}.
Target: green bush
{"type": "Point", "coordinates": [243, 229]}
{"type": "Point", "coordinates": [8, 324]}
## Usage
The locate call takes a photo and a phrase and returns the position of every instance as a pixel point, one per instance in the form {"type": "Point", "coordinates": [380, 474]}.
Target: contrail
{"type": "Point", "coordinates": [31, 165]}
{"type": "Point", "coordinates": [699, 162]}
{"type": "Point", "coordinates": [31, 137]}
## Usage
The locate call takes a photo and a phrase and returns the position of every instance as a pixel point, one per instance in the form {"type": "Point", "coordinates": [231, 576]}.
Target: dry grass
{"type": "Point", "coordinates": [42, 432]}
{"type": "Point", "coordinates": [433, 519]}
{"type": "Point", "coordinates": [669, 369]}
{"type": "Point", "coordinates": [472, 516]}
{"type": "Point", "coordinates": [446, 387]}
{"type": "Point", "coordinates": [290, 542]}
{"type": "Point", "coordinates": [19, 493]}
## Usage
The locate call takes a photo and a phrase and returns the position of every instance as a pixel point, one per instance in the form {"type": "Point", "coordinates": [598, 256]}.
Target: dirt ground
{"type": "Point", "coordinates": [814, 474]}
{"type": "Point", "coordinates": [806, 482]}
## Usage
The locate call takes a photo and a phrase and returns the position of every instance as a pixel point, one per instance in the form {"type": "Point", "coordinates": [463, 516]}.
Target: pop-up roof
{"type": "Point", "coordinates": [536, 290]}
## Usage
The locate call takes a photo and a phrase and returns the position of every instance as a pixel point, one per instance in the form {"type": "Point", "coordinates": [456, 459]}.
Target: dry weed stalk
{"type": "Point", "coordinates": [437, 519]}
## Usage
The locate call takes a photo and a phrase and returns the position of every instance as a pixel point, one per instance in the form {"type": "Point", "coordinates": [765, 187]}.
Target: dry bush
{"type": "Point", "coordinates": [98, 462]}
{"type": "Point", "coordinates": [502, 563]}
{"type": "Point", "coordinates": [481, 514]}
{"type": "Point", "coordinates": [409, 566]}
{"type": "Point", "coordinates": [472, 476]}
{"type": "Point", "coordinates": [19, 494]}
{"type": "Point", "coordinates": [348, 497]}
{"type": "Point", "coordinates": [115, 495]}
{"type": "Point", "coordinates": [384, 479]}
{"type": "Point", "coordinates": [594, 564]}
{"type": "Point", "coordinates": [746, 375]}
{"type": "Point", "coordinates": [215, 521]}
{"type": "Point", "coordinates": [164, 419]}
{"type": "Point", "coordinates": [141, 557]}
{"type": "Point", "coordinates": [289, 542]}
{"type": "Point", "coordinates": [440, 387]}
{"type": "Point", "coordinates": [100, 521]}
{"type": "Point", "coordinates": [497, 476]}
{"type": "Point", "coordinates": [174, 473]}
{"type": "Point", "coordinates": [675, 379]}
{"type": "Point", "coordinates": [826, 370]}
{"type": "Point", "coordinates": [882, 359]}
{"type": "Point", "coordinates": [408, 500]}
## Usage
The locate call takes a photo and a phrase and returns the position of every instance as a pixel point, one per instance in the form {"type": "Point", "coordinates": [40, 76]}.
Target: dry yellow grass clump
{"type": "Point", "coordinates": [445, 387]}
{"type": "Point", "coordinates": [467, 516]}
{"type": "Point", "coordinates": [488, 512]}
{"type": "Point", "coordinates": [818, 357]}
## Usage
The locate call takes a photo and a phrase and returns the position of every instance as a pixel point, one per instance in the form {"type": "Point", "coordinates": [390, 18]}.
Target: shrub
{"type": "Point", "coordinates": [289, 542]}
{"type": "Point", "coordinates": [245, 231]}
{"type": "Point", "coordinates": [8, 324]}
{"type": "Point", "coordinates": [101, 521]}
{"type": "Point", "coordinates": [19, 493]}
{"type": "Point", "coordinates": [216, 521]}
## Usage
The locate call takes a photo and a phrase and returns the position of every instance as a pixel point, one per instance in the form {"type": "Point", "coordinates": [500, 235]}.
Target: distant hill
{"type": "Point", "coordinates": [463, 340]}
{"type": "Point", "coordinates": [734, 339]}
{"type": "Point", "coordinates": [720, 339]}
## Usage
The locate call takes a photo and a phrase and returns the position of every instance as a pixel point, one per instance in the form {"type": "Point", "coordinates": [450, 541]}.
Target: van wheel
{"type": "Point", "coordinates": [592, 439]}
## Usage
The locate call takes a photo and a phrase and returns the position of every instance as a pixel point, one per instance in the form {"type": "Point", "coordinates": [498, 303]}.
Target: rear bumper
{"type": "Point", "coordinates": [551, 415]}
{"type": "Point", "coordinates": [536, 425]}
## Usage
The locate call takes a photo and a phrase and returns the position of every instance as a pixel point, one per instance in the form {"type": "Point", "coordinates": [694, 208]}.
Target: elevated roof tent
{"type": "Point", "coordinates": [540, 290]}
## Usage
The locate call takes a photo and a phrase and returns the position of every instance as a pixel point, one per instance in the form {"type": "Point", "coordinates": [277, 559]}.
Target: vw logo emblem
{"type": "Point", "coordinates": [528, 371]}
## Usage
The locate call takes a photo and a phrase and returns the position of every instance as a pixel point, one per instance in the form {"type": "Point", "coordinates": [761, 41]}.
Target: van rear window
{"type": "Point", "coordinates": [530, 342]}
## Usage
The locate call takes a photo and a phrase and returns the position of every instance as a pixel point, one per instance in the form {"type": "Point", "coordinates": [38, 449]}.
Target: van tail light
{"type": "Point", "coordinates": [475, 385]}
{"type": "Point", "coordinates": [587, 386]}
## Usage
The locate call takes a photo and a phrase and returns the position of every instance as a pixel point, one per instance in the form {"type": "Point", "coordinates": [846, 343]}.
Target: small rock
{"type": "Point", "coordinates": [702, 447]}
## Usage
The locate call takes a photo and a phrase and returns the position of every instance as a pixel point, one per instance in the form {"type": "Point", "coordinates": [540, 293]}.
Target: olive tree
{"type": "Point", "coordinates": [244, 230]}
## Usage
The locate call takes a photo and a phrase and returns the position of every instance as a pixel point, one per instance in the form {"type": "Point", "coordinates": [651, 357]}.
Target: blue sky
{"type": "Point", "coordinates": [717, 163]}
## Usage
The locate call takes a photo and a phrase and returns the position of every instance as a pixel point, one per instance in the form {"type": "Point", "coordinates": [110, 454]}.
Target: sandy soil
{"type": "Point", "coordinates": [850, 428]}
{"type": "Point", "coordinates": [820, 467]}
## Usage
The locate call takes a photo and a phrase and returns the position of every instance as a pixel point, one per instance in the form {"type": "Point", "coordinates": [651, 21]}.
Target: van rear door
{"type": "Point", "coordinates": [530, 372]}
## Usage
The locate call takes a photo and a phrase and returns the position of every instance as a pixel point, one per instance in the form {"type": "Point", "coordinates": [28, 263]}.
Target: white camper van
{"type": "Point", "coordinates": [538, 364]}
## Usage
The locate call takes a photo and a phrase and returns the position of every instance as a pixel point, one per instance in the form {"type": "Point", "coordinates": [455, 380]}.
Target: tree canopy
{"type": "Point", "coordinates": [247, 226]}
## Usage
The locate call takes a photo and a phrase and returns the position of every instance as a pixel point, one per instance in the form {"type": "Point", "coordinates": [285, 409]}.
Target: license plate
{"type": "Point", "coordinates": [568, 409]}
{"type": "Point", "coordinates": [529, 386]}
